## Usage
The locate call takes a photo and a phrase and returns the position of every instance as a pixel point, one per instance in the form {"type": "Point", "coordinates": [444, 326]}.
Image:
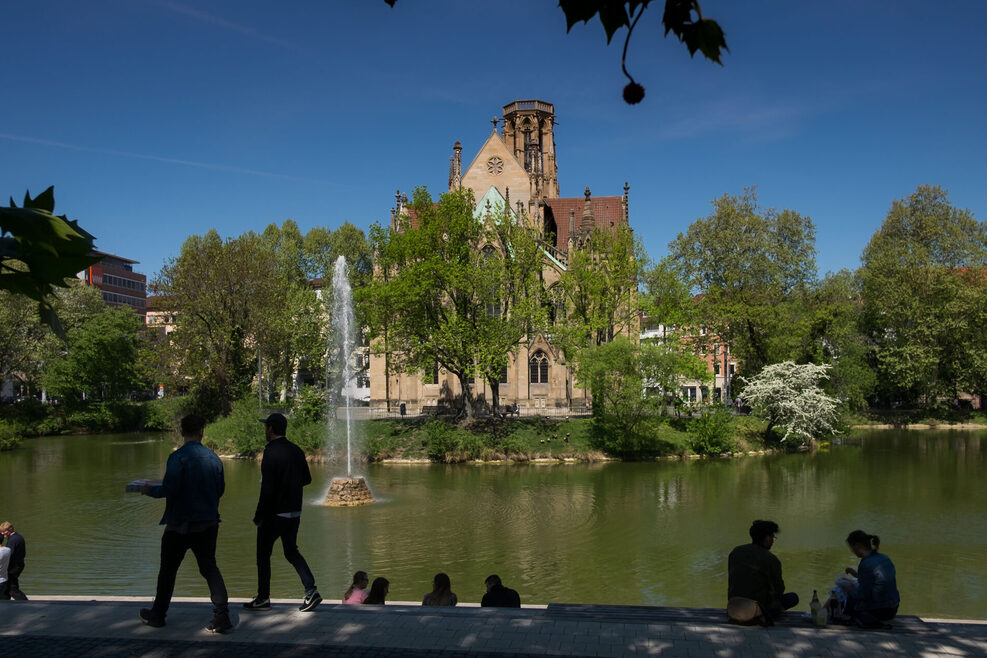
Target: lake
{"type": "Point", "coordinates": [654, 533]}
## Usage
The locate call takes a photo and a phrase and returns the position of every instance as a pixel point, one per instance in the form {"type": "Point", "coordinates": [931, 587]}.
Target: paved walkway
{"type": "Point", "coordinates": [68, 626]}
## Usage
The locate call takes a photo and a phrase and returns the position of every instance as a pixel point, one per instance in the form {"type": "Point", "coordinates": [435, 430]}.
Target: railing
{"type": "Point", "coordinates": [529, 105]}
{"type": "Point", "coordinates": [556, 253]}
{"type": "Point", "coordinates": [370, 413]}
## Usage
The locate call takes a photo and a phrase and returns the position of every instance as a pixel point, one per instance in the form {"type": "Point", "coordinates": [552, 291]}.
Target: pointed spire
{"type": "Point", "coordinates": [586, 226]}
{"type": "Point", "coordinates": [456, 167]}
{"type": "Point", "coordinates": [626, 203]}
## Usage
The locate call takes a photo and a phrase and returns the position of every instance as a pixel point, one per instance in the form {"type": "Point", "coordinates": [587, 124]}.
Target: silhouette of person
{"type": "Point", "coordinates": [498, 596]}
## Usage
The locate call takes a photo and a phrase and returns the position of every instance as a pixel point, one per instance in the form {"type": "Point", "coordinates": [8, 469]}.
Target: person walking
{"type": "Point", "coordinates": [18, 551]}
{"type": "Point", "coordinates": [192, 486]}
{"type": "Point", "coordinates": [284, 472]}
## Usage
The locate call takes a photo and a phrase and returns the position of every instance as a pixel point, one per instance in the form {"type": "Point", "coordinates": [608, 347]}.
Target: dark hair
{"type": "Point", "coordinates": [492, 579]}
{"type": "Point", "coordinates": [761, 529]}
{"type": "Point", "coordinates": [872, 542]}
{"type": "Point", "coordinates": [193, 424]}
{"type": "Point", "coordinates": [358, 577]}
{"type": "Point", "coordinates": [441, 590]}
{"type": "Point", "coordinates": [378, 591]}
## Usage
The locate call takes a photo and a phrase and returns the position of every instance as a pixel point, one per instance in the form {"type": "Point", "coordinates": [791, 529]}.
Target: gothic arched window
{"type": "Point", "coordinates": [538, 368]}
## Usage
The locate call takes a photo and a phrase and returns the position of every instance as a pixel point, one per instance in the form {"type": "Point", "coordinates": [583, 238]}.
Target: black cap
{"type": "Point", "coordinates": [276, 422]}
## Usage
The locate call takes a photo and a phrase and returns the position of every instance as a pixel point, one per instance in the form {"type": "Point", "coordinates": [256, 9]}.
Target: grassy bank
{"type": "Point", "coordinates": [942, 417]}
{"type": "Point", "coordinates": [523, 439]}
{"type": "Point", "coordinates": [30, 418]}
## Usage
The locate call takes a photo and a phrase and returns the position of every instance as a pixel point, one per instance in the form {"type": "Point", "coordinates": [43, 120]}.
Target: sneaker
{"type": "Point", "coordinates": [310, 601]}
{"type": "Point", "coordinates": [258, 604]}
{"type": "Point", "coordinates": [220, 624]}
{"type": "Point", "coordinates": [150, 619]}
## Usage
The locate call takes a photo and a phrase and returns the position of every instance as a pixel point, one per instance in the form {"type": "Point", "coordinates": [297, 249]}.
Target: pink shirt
{"type": "Point", "coordinates": [356, 597]}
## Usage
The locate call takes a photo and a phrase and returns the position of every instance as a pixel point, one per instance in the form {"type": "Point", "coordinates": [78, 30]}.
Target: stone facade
{"type": "Point", "coordinates": [516, 166]}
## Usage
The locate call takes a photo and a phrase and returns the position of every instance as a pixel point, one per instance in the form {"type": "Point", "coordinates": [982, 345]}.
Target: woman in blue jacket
{"type": "Point", "coordinates": [874, 601]}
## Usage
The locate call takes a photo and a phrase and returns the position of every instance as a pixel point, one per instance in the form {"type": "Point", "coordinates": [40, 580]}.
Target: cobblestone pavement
{"type": "Point", "coordinates": [40, 628]}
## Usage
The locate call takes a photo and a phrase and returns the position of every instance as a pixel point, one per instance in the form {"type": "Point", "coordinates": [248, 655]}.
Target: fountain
{"type": "Point", "coordinates": [345, 491]}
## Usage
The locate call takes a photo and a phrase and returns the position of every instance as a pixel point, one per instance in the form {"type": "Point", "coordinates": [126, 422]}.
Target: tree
{"type": "Point", "coordinates": [455, 289]}
{"type": "Point", "coordinates": [101, 359]}
{"type": "Point", "coordinates": [752, 269]}
{"type": "Point", "coordinates": [41, 251]}
{"type": "Point", "coordinates": [229, 300]}
{"type": "Point", "coordinates": [671, 356]}
{"type": "Point", "coordinates": [627, 380]}
{"type": "Point", "coordinates": [789, 396]}
{"type": "Point", "coordinates": [924, 279]}
{"type": "Point", "coordinates": [832, 320]}
{"type": "Point", "coordinates": [21, 332]}
{"type": "Point", "coordinates": [599, 290]}
{"type": "Point", "coordinates": [683, 18]}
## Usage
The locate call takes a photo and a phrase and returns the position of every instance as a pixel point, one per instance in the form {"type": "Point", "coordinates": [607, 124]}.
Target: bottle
{"type": "Point", "coordinates": [816, 610]}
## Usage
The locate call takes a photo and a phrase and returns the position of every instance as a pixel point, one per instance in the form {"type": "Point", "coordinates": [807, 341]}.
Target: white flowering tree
{"type": "Point", "coordinates": [788, 396]}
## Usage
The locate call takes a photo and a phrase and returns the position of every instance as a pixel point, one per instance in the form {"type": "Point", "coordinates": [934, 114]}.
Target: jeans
{"type": "Point", "coordinates": [873, 618]}
{"type": "Point", "coordinates": [267, 533]}
{"type": "Point", "coordinates": [174, 545]}
{"type": "Point", "coordinates": [788, 601]}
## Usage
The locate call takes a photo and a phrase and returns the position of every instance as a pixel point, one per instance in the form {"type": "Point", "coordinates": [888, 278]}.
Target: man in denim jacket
{"type": "Point", "coordinates": [192, 486]}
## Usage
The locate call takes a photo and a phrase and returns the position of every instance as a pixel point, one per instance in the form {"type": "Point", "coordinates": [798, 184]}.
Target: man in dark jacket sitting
{"type": "Point", "coordinates": [284, 471]}
{"type": "Point", "coordinates": [498, 596]}
{"type": "Point", "coordinates": [755, 573]}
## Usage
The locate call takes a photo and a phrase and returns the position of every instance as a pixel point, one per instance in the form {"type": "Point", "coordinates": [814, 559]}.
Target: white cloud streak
{"type": "Point", "coordinates": [155, 158]}
{"type": "Point", "coordinates": [218, 21]}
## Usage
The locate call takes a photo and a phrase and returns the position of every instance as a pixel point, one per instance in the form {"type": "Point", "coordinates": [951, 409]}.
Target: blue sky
{"type": "Point", "coordinates": [156, 119]}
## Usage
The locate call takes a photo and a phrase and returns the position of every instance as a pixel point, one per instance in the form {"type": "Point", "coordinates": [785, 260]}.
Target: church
{"type": "Point", "coordinates": [515, 168]}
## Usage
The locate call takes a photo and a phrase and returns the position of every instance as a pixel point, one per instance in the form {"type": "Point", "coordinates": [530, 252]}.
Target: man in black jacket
{"type": "Point", "coordinates": [498, 596]}
{"type": "Point", "coordinates": [18, 551]}
{"type": "Point", "coordinates": [284, 471]}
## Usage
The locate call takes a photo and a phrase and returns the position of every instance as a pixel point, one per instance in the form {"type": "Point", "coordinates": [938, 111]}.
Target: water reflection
{"type": "Point", "coordinates": [609, 533]}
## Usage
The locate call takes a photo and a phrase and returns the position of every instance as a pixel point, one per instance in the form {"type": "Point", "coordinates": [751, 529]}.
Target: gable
{"type": "Point", "coordinates": [497, 202]}
{"type": "Point", "coordinates": [495, 166]}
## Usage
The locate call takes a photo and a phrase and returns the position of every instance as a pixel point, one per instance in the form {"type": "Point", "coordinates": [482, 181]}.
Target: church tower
{"type": "Point", "coordinates": [529, 131]}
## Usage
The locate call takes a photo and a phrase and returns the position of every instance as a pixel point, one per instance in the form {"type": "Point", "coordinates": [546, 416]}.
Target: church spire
{"type": "Point", "coordinates": [456, 167]}
{"type": "Point", "coordinates": [586, 226]}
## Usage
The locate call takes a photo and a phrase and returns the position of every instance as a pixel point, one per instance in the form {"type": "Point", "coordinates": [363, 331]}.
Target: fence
{"type": "Point", "coordinates": [368, 413]}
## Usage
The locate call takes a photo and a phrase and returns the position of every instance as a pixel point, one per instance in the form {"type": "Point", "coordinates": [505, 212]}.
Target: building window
{"type": "Point", "coordinates": [732, 366]}
{"type": "Point", "coordinates": [432, 377]}
{"type": "Point", "coordinates": [503, 375]}
{"type": "Point", "coordinates": [538, 367]}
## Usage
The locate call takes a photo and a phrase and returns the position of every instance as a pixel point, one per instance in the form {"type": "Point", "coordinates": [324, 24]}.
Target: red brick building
{"type": "Point", "coordinates": [119, 283]}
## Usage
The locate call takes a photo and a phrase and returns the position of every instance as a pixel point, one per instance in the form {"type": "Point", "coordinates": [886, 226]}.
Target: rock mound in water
{"type": "Point", "coordinates": [349, 492]}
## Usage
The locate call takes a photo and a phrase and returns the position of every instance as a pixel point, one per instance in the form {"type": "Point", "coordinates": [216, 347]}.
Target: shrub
{"type": "Point", "coordinates": [10, 435]}
{"type": "Point", "coordinates": [239, 433]}
{"type": "Point", "coordinates": [310, 405]}
{"type": "Point", "coordinates": [381, 447]}
{"type": "Point", "coordinates": [711, 433]}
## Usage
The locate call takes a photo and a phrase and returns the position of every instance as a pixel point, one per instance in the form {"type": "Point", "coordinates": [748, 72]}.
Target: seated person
{"type": "Point", "coordinates": [378, 592]}
{"type": "Point", "coordinates": [755, 573]}
{"type": "Point", "coordinates": [441, 593]}
{"type": "Point", "coordinates": [874, 601]}
{"type": "Point", "coordinates": [498, 596]}
{"type": "Point", "coordinates": [357, 591]}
